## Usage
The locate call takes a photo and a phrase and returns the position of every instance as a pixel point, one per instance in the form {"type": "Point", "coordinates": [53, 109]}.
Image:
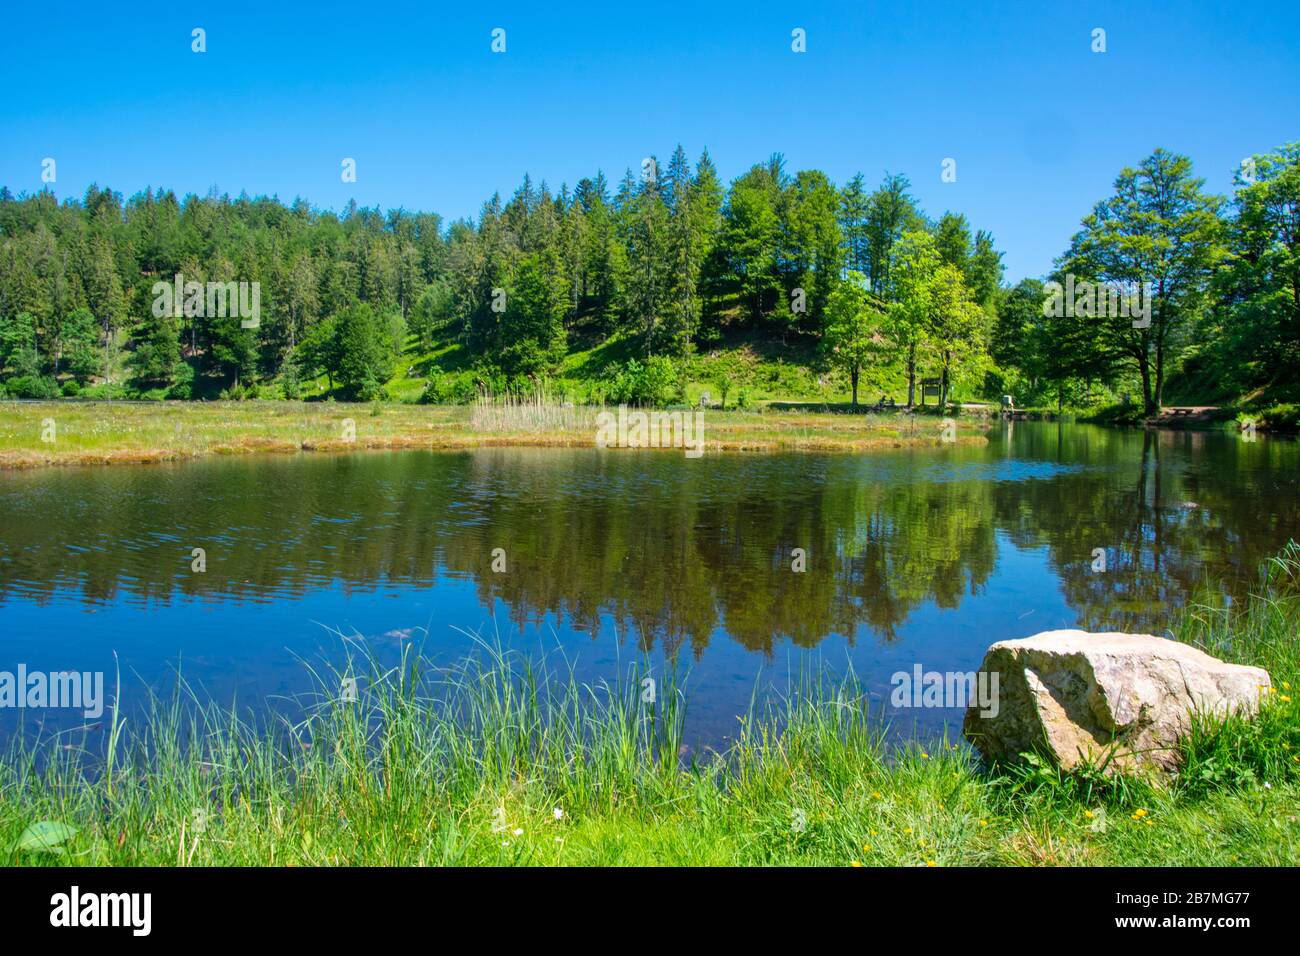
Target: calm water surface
{"type": "Point", "coordinates": [913, 557]}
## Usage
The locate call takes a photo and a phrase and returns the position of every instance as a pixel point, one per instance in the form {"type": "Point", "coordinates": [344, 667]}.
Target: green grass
{"type": "Point", "coordinates": [757, 365]}
{"type": "Point", "coordinates": [470, 766]}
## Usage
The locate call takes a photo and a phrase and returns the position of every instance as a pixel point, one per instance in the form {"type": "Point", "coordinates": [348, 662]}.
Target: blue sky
{"type": "Point", "coordinates": [1038, 124]}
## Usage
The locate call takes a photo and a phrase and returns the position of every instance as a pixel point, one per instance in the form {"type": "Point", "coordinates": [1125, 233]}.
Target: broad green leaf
{"type": "Point", "coordinates": [45, 837]}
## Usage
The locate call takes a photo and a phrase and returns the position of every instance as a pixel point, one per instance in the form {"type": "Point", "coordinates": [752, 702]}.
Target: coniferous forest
{"type": "Point", "coordinates": [781, 281]}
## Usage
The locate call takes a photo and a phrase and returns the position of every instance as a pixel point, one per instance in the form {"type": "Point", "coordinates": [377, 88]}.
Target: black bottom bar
{"type": "Point", "coordinates": [334, 907]}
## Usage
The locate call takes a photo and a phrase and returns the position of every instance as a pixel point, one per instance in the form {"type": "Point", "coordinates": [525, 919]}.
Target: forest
{"type": "Point", "coordinates": [781, 283]}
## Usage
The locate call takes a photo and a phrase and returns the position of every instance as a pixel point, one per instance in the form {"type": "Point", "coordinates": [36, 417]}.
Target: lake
{"type": "Point", "coordinates": [613, 558]}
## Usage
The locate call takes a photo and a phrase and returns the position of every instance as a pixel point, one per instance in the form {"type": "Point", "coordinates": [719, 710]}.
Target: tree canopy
{"type": "Point", "coordinates": [669, 264]}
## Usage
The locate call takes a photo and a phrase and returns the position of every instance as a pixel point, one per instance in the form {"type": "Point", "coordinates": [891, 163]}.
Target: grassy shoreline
{"type": "Point", "coordinates": [491, 763]}
{"type": "Point", "coordinates": [137, 433]}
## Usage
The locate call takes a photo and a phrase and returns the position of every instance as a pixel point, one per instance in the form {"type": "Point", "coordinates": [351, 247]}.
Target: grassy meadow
{"type": "Point", "coordinates": [503, 762]}
{"type": "Point", "coordinates": [115, 432]}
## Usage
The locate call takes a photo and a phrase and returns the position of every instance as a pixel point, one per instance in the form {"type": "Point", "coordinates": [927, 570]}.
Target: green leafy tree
{"type": "Point", "coordinates": [855, 339]}
{"type": "Point", "coordinates": [955, 329]}
{"type": "Point", "coordinates": [1018, 346]}
{"type": "Point", "coordinates": [912, 273]}
{"type": "Point", "coordinates": [1159, 229]}
{"type": "Point", "coordinates": [1261, 283]}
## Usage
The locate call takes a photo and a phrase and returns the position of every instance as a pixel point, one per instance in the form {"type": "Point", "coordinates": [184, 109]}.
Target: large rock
{"type": "Point", "coordinates": [1078, 696]}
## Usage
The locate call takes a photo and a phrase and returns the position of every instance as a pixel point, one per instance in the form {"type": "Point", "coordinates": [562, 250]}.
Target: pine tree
{"type": "Point", "coordinates": [854, 209]}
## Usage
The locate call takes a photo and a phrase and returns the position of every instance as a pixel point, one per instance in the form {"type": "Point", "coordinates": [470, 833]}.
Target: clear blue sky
{"type": "Point", "coordinates": [1038, 124]}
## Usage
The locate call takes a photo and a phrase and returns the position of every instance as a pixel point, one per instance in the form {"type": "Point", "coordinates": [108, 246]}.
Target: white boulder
{"type": "Point", "coordinates": [1123, 700]}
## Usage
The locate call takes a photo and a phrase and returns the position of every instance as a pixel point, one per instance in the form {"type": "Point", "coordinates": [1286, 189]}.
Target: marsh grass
{"type": "Point", "coordinates": [89, 433]}
{"type": "Point", "coordinates": [534, 414]}
{"type": "Point", "coordinates": [504, 759]}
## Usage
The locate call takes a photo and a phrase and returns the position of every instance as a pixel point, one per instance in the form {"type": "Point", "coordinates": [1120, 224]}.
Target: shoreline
{"type": "Point", "coordinates": [96, 433]}
{"type": "Point", "coordinates": [102, 433]}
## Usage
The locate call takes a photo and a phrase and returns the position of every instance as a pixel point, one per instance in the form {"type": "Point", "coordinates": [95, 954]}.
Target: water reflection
{"type": "Point", "coordinates": [915, 555]}
{"type": "Point", "coordinates": [672, 549]}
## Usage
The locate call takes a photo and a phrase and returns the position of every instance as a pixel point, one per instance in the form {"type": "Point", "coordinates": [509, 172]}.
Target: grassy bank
{"type": "Point", "coordinates": [493, 763]}
{"type": "Point", "coordinates": [108, 433]}
{"type": "Point", "coordinates": [1279, 418]}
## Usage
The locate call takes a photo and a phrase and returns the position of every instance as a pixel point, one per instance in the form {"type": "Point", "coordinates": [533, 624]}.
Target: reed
{"type": "Point", "coordinates": [530, 414]}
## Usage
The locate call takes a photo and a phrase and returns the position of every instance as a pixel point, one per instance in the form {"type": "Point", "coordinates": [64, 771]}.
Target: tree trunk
{"type": "Point", "coordinates": [853, 377]}
{"type": "Point", "coordinates": [1160, 374]}
{"type": "Point", "coordinates": [1144, 365]}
